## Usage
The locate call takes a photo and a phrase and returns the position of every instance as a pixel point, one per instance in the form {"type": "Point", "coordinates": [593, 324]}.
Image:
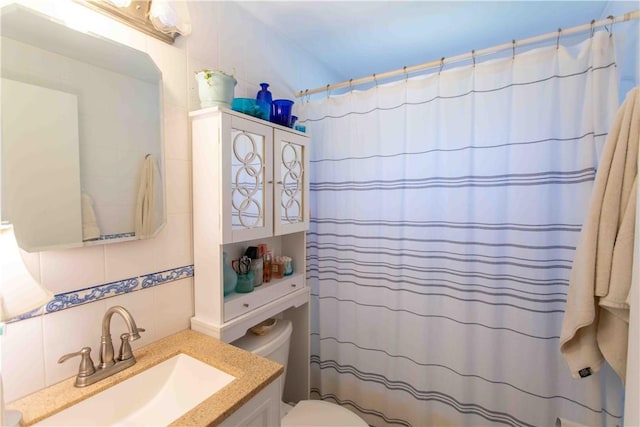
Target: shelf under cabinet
{"type": "Point", "coordinates": [238, 304]}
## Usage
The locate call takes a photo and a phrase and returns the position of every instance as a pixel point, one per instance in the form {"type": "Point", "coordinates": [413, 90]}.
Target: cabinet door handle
{"type": "Point", "coordinates": [293, 285]}
{"type": "Point", "coordinates": [245, 305]}
{"type": "Point", "coordinates": [269, 182]}
{"type": "Point", "coordinates": [280, 182]}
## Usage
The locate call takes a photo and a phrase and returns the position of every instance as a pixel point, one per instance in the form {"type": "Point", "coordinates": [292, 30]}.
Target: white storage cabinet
{"type": "Point", "coordinates": [250, 186]}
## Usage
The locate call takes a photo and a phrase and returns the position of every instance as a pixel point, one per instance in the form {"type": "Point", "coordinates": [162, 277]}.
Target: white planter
{"type": "Point", "coordinates": [215, 89]}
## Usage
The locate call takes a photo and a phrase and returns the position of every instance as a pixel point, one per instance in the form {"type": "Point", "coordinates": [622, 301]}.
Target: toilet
{"type": "Point", "coordinates": [274, 345]}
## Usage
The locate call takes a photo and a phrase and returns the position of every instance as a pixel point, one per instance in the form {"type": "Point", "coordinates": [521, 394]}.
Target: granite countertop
{"type": "Point", "coordinates": [253, 373]}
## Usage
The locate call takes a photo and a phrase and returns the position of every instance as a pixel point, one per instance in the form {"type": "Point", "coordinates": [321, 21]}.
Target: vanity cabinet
{"type": "Point", "coordinates": [250, 186]}
{"type": "Point", "coordinates": [263, 410]}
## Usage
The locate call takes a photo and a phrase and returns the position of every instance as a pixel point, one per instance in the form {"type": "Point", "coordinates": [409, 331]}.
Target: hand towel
{"type": "Point", "coordinates": [595, 323]}
{"type": "Point", "coordinates": [90, 229]}
{"type": "Point", "coordinates": [144, 214]}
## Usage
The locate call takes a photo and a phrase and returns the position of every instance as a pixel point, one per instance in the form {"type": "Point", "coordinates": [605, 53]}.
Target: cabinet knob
{"type": "Point", "coordinates": [279, 182]}
{"type": "Point", "coordinates": [293, 285]}
{"type": "Point", "coordinates": [246, 305]}
{"type": "Point", "coordinates": [269, 182]}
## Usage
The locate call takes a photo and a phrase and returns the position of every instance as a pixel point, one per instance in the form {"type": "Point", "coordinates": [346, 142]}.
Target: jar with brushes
{"type": "Point", "coordinates": [242, 266]}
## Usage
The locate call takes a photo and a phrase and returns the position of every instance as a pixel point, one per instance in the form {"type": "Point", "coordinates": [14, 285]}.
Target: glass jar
{"type": "Point", "coordinates": [230, 278]}
{"type": "Point", "coordinates": [288, 266]}
{"type": "Point", "coordinates": [257, 268]}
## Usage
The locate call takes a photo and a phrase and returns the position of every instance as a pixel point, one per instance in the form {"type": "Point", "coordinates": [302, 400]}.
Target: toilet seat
{"type": "Point", "coordinates": [308, 413]}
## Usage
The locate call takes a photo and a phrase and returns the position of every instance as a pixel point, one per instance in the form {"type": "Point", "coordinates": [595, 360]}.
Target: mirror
{"type": "Point", "coordinates": [82, 155]}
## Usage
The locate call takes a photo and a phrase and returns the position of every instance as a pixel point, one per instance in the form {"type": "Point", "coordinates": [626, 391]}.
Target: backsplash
{"type": "Point", "coordinates": [89, 280]}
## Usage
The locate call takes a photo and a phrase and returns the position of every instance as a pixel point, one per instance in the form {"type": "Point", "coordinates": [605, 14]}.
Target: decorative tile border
{"type": "Point", "coordinates": [107, 290]}
{"type": "Point", "coordinates": [104, 237]}
{"type": "Point", "coordinates": [116, 236]}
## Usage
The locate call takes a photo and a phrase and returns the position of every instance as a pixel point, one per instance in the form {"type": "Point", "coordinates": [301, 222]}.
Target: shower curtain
{"type": "Point", "coordinates": [445, 214]}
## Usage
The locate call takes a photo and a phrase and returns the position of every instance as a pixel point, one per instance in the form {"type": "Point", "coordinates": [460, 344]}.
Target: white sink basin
{"type": "Point", "coordinates": [156, 396]}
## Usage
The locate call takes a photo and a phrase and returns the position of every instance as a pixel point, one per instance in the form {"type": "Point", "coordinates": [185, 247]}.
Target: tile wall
{"type": "Point", "coordinates": [225, 37]}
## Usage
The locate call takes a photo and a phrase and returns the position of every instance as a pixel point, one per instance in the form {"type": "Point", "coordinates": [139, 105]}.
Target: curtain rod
{"type": "Point", "coordinates": [473, 54]}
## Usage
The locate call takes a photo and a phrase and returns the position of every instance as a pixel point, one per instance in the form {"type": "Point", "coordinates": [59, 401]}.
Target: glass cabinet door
{"type": "Point", "coordinates": [291, 195]}
{"type": "Point", "coordinates": [248, 206]}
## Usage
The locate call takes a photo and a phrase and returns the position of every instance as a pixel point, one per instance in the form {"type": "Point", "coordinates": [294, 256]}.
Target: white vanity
{"type": "Point", "coordinates": [242, 390]}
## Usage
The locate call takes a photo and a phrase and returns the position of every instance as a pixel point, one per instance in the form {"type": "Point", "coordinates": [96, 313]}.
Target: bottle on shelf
{"type": "Point", "coordinates": [277, 268]}
{"type": "Point", "coordinates": [267, 266]}
{"type": "Point", "coordinates": [264, 101]}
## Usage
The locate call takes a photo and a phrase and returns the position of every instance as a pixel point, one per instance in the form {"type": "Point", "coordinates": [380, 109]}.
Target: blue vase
{"type": "Point", "coordinates": [264, 100]}
{"type": "Point", "coordinates": [229, 276]}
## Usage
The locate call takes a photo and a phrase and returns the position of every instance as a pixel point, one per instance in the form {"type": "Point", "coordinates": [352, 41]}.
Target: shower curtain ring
{"type": "Point", "coordinates": [308, 97]}
{"type": "Point", "coordinates": [406, 76]}
{"type": "Point", "coordinates": [593, 30]}
{"type": "Point", "coordinates": [328, 91]}
{"type": "Point", "coordinates": [613, 20]}
{"type": "Point", "coordinates": [513, 48]}
{"type": "Point", "coordinates": [558, 39]}
{"type": "Point", "coordinates": [375, 79]}
{"type": "Point", "coordinates": [441, 65]}
{"type": "Point", "coordinates": [350, 85]}
{"type": "Point", "coordinates": [473, 56]}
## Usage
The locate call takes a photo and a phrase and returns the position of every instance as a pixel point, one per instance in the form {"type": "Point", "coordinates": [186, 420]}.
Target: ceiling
{"type": "Point", "coordinates": [359, 38]}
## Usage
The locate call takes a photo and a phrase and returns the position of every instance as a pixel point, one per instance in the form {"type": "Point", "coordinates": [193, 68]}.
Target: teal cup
{"type": "Point", "coordinates": [245, 283]}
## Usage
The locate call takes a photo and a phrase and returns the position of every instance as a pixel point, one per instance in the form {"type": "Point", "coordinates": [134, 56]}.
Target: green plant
{"type": "Point", "coordinates": [208, 73]}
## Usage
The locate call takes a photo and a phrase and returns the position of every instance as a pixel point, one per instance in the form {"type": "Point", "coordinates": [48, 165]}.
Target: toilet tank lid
{"type": "Point", "coordinates": [264, 345]}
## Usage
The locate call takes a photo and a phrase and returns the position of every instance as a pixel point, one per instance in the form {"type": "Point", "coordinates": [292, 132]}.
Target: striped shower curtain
{"type": "Point", "coordinates": [445, 213]}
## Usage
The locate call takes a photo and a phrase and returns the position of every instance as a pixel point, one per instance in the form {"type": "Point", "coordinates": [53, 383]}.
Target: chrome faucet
{"type": "Point", "coordinates": [90, 374]}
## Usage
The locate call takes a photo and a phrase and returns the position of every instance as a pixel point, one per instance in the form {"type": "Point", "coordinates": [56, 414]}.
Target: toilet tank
{"type": "Point", "coordinates": [273, 345]}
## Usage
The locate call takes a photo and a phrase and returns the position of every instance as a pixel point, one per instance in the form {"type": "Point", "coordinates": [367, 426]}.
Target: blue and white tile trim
{"type": "Point", "coordinates": [107, 290]}
{"type": "Point", "coordinates": [117, 236]}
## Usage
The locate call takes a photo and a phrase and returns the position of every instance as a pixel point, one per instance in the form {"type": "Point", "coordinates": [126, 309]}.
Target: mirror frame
{"type": "Point", "coordinates": [135, 15]}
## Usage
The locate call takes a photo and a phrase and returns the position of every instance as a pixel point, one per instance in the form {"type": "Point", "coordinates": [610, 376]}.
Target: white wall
{"type": "Point", "coordinates": [628, 34]}
{"type": "Point", "coordinates": [629, 68]}
{"type": "Point", "coordinates": [223, 37]}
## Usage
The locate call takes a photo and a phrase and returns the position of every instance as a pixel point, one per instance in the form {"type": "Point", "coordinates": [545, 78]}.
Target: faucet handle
{"type": "Point", "coordinates": [125, 348]}
{"type": "Point", "coordinates": [86, 364]}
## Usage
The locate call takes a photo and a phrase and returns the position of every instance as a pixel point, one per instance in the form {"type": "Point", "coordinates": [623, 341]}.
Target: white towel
{"type": "Point", "coordinates": [144, 215]}
{"type": "Point", "coordinates": [90, 229]}
{"type": "Point", "coordinates": [595, 326]}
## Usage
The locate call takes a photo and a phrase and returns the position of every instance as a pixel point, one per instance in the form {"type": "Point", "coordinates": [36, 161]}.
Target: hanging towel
{"type": "Point", "coordinates": [596, 320]}
{"type": "Point", "coordinates": [145, 203]}
{"type": "Point", "coordinates": [90, 229]}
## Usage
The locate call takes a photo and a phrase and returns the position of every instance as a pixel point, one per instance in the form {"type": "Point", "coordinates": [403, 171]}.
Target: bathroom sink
{"type": "Point", "coordinates": [156, 396]}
